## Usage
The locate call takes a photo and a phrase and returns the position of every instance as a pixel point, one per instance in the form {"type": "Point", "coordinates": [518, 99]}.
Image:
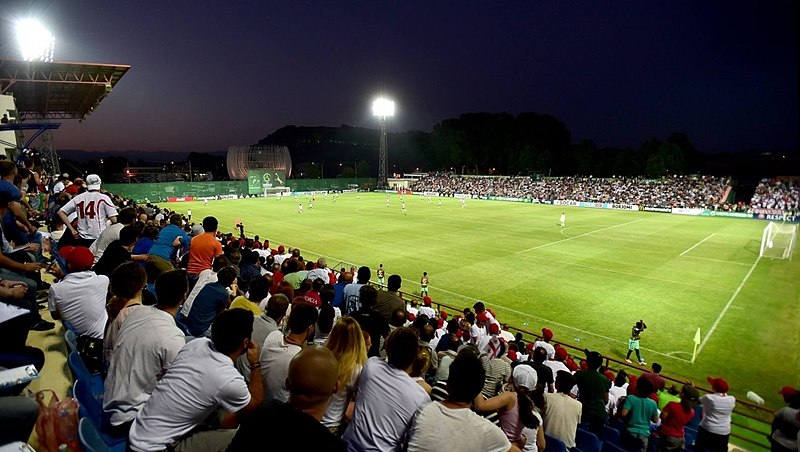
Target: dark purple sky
{"type": "Point", "coordinates": [206, 75]}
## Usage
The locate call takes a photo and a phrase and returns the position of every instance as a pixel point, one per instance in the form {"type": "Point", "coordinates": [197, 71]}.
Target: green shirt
{"type": "Point", "coordinates": [295, 278]}
{"type": "Point", "coordinates": [640, 412]}
{"type": "Point", "coordinates": [593, 387]}
{"type": "Point", "coordinates": [665, 397]}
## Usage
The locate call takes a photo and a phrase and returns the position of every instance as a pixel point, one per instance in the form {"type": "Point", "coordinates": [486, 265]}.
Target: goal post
{"type": "Point", "coordinates": [778, 240]}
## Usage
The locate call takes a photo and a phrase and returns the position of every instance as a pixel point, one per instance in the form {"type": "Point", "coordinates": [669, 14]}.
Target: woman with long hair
{"type": "Point", "coordinates": [346, 341]}
{"type": "Point", "coordinates": [516, 409]}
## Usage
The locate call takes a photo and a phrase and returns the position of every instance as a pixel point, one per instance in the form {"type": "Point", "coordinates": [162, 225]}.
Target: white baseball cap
{"type": "Point", "coordinates": [93, 182]}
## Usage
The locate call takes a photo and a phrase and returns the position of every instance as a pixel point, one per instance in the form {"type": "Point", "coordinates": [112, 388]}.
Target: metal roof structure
{"type": "Point", "coordinates": [58, 90]}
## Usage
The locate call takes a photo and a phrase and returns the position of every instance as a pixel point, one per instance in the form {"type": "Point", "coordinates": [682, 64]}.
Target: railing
{"type": "Point", "coordinates": [743, 408]}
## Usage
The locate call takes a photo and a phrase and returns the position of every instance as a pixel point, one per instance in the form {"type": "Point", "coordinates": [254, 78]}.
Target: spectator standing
{"type": "Point", "coordinates": [715, 427]}
{"type": "Point", "coordinates": [638, 411]}
{"type": "Point", "coordinates": [562, 413]}
{"type": "Point", "coordinates": [674, 418]}
{"type": "Point", "coordinates": [593, 390]}
{"type": "Point", "coordinates": [169, 240]}
{"type": "Point", "coordinates": [389, 300]}
{"type": "Point", "coordinates": [204, 248]}
{"type": "Point", "coordinates": [93, 210]}
{"type": "Point", "coordinates": [370, 320]}
{"type": "Point", "coordinates": [351, 291]}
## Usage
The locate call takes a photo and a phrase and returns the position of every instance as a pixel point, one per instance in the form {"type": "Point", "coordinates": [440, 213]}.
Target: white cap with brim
{"type": "Point", "coordinates": [93, 182]}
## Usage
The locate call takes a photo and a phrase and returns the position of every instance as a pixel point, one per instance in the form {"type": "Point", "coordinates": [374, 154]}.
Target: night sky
{"type": "Point", "coordinates": [206, 75]}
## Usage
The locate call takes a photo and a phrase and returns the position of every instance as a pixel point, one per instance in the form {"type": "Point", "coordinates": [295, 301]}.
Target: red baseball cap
{"type": "Point", "coordinates": [561, 353]}
{"type": "Point", "coordinates": [494, 329]}
{"type": "Point", "coordinates": [426, 301]}
{"type": "Point", "coordinates": [547, 334]}
{"type": "Point", "coordinates": [78, 258]}
{"type": "Point", "coordinates": [482, 317]}
{"type": "Point", "coordinates": [411, 316]}
{"type": "Point", "coordinates": [718, 384]}
{"type": "Point", "coordinates": [443, 314]}
{"type": "Point", "coordinates": [512, 355]}
{"type": "Point", "coordinates": [788, 391]}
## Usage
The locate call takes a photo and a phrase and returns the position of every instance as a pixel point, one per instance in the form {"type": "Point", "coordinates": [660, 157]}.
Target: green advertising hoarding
{"type": "Point", "coordinates": [260, 179]}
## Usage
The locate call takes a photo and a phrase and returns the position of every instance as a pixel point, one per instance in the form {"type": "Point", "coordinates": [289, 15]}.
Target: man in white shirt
{"type": "Point", "coordinates": [146, 345]}
{"type": "Point", "coordinates": [94, 210]}
{"type": "Point", "coordinates": [387, 398]}
{"type": "Point", "coordinates": [547, 336]}
{"type": "Point", "coordinates": [563, 413]}
{"type": "Point", "coordinates": [80, 297]}
{"type": "Point", "coordinates": [451, 424]}
{"type": "Point", "coordinates": [126, 217]}
{"type": "Point", "coordinates": [426, 308]}
{"type": "Point", "coordinates": [278, 350]}
{"type": "Point", "coordinates": [61, 184]}
{"type": "Point", "coordinates": [200, 380]}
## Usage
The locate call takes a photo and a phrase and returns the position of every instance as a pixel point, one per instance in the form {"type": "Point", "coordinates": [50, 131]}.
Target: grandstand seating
{"type": "Point", "coordinates": [554, 444]}
{"type": "Point", "coordinates": [81, 372]}
{"type": "Point", "coordinates": [92, 440]}
{"type": "Point", "coordinates": [587, 441]}
{"type": "Point", "coordinates": [611, 435]}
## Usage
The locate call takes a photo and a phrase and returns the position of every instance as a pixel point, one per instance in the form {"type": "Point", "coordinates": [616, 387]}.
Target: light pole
{"type": "Point", "coordinates": [383, 109]}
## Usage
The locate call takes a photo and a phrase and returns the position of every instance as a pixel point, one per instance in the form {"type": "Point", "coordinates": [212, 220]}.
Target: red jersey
{"type": "Point", "coordinates": [676, 419]}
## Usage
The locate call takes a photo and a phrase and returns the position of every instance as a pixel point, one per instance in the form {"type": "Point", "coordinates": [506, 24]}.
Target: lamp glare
{"type": "Point", "coordinates": [383, 107]}
{"type": "Point", "coordinates": [35, 42]}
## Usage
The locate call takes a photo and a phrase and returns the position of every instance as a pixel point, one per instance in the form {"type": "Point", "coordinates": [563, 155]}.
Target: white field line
{"type": "Point", "coordinates": [698, 243]}
{"type": "Point", "coordinates": [611, 339]}
{"type": "Point", "coordinates": [608, 270]}
{"type": "Point", "coordinates": [727, 306]}
{"type": "Point", "coordinates": [717, 260]}
{"type": "Point", "coordinates": [577, 236]}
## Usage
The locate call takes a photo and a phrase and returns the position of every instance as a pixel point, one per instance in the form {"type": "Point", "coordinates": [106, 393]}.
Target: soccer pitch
{"type": "Point", "coordinates": [588, 282]}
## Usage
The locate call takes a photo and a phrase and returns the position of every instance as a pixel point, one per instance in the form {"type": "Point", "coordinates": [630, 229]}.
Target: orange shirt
{"type": "Point", "coordinates": [202, 251]}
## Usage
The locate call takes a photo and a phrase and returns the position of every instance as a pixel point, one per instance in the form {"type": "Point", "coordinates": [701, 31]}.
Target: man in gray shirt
{"type": "Point", "coordinates": [264, 324]}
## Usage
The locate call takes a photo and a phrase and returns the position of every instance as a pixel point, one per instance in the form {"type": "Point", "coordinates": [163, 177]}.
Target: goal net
{"type": "Point", "coordinates": [778, 240]}
{"type": "Point", "coordinates": [277, 191]}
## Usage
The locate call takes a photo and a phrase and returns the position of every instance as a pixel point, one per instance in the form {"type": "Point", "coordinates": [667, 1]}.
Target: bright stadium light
{"type": "Point", "coordinates": [382, 108]}
{"type": "Point", "coordinates": [35, 42]}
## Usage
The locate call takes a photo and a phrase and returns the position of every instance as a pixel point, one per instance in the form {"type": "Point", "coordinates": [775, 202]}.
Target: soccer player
{"type": "Point", "coordinates": [423, 284]}
{"type": "Point", "coordinates": [311, 204]}
{"type": "Point", "coordinates": [300, 208]}
{"type": "Point", "coordinates": [463, 203]}
{"type": "Point", "coordinates": [633, 342]}
{"type": "Point", "coordinates": [189, 214]}
{"type": "Point", "coordinates": [205, 202]}
{"type": "Point", "coordinates": [387, 202]}
{"type": "Point", "coordinates": [563, 219]}
{"type": "Point", "coordinates": [381, 275]}
{"type": "Point", "coordinates": [403, 207]}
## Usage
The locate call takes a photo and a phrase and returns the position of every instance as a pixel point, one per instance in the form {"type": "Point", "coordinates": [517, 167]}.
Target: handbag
{"type": "Point", "coordinates": [57, 423]}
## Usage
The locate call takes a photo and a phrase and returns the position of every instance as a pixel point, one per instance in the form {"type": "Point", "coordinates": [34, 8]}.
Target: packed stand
{"type": "Point", "coordinates": [776, 197]}
{"type": "Point", "coordinates": [679, 191]}
{"type": "Point", "coordinates": [192, 339]}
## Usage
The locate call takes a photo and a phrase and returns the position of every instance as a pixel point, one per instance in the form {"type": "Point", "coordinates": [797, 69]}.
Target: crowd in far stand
{"type": "Point", "coordinates": [678, 191]}
{"type": "Point", "coordinates": [776, 195]}
{"type": "Point", "coordinates": [209, 341]}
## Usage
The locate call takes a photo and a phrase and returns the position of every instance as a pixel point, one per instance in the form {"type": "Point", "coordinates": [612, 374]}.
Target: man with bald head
{"type": "Point", "coordinates": [312, 381]}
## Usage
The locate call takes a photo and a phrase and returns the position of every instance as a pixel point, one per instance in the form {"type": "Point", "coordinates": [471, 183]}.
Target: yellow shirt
{"type": "Point", "coordinates": [247, 305]}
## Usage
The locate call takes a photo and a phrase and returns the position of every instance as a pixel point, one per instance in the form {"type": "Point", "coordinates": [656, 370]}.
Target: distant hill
{"type": "Point", "coordinates": [132, 156]}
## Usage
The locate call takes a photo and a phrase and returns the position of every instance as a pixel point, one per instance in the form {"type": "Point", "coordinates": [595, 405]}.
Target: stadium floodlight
{"type": "Point", "coordinates": [383, 108]}
{"type": "Point", "coordinates": [35, 42]}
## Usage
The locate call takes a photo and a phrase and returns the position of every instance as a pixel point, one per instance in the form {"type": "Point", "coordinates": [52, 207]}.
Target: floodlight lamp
{"type": "Point", "coordinates": [383, 107]}
{"type": "Point", "coordinates": [35, 42]}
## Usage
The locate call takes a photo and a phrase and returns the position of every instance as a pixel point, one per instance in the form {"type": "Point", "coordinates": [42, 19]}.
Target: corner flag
{"type": "Point", "coordinates": [696, 343]}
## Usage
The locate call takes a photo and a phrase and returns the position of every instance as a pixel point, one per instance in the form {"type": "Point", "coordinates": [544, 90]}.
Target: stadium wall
{"type": "Point", "coordinates": [164, 190]}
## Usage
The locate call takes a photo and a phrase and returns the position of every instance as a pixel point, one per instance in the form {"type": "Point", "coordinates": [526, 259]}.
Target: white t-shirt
{"type": "Point", "coordinates": [427, 310]}
{"type": "Point", "coordinates": [717, 410]}
{"type": "Point", "coordinates": [556, 366]}
{"type": "Point", "coordinates": [147, 343]}
{"type": "Point", "coordinates": [530, 435]}
{"type": "Point", "coordinates": [319, 273]}
{"type": "Point", "coordinates": [58, 187]}
{"type": "Point", "coordinates": [81, 299]}
{"type": "Point", "coordinates": [198, 381]}
{"type": "Point", "coordinates": [205, 277]}
{"type": "Point", "coordinates": [93, 209]}
{"type": "Point", "coordinates": [386, 403]}
{"type": "Point", "coordinates": [561, 417]}
{"type": "Point", "coordinates": [105, 238]}
{"type": "Point", "coordinates": [437, 427]}
{"type": "Point", "coordinates": [334, 414]}
{"type": "Point", "coordinates": [276, 354]}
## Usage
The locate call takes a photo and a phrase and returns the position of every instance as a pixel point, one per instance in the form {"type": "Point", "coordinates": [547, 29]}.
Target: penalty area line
{"type": "Point", "coordinates": [580, 330]}
{"type": "Point", "coordinates": [727, 306]}
{"type": "Point", "coordinates": [577, 236]}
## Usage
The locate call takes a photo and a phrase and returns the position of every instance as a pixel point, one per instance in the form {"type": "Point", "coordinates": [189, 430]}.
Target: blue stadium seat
{"type": "Point", "coordinates": [611, 447]}
{"type": "Point", "coordinates": [92, 440]}
{"type": "Point", "coordinates": [690, 435]}
{"type": "Point", "coordinates": [554, 444]}
{"type": "Point", "coordinates": [91, 408]}
{"type": "Point", "coordinates": [71, 339]}
{"type": "Point", "coordinates": [81, 372]}
{"type": "Point", "coordinates": [611, 435]}
{"type": "Point", "coordinates": [587, 441]}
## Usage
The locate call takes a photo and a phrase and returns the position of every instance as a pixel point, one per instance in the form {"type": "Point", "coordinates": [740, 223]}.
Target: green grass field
{"type": "Point", "coordinates": [588, 282]}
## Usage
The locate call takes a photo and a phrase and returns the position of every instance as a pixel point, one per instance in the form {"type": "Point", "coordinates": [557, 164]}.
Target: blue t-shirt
{"type": "Point", "coordinates": [163, 248]}
{"type": "Point", "coordinates": [211, 300]}
{"type": "Point", "coordinates": [142, 246]}
{"type": "Point", "coordinates": [11, 189]}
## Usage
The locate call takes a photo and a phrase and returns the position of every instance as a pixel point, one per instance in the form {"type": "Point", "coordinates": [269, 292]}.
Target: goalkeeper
{"type": "Point", "coordinates": [633, 342]}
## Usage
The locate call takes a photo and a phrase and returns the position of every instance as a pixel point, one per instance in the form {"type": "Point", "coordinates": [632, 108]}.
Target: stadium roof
{"type": "Point", "coordinates": [58, 90]}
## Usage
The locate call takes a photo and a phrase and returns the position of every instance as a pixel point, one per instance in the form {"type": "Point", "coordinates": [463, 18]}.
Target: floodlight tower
{"type": "Point", "coordinates": [383, 109]}
{"type": "Point", "coordinates": [36, 43]}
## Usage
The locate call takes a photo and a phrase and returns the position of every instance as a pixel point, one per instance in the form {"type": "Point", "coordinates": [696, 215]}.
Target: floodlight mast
{"type": "Point", "coordinates": [383, 109]}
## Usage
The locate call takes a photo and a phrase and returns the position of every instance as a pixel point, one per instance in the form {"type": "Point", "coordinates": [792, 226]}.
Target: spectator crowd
{"type": "Point", "coordinates": [776, 196]}
{"type": "Point", "coordinates": [210, 341]}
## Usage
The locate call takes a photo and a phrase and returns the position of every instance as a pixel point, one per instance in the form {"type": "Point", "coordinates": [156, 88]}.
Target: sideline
{"type": "Point", "coordinates": [727, 306]}
{"type": "Point", "coordinates": [579, 235]}
{"type": "Point", "coordinates": [698, 243]}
